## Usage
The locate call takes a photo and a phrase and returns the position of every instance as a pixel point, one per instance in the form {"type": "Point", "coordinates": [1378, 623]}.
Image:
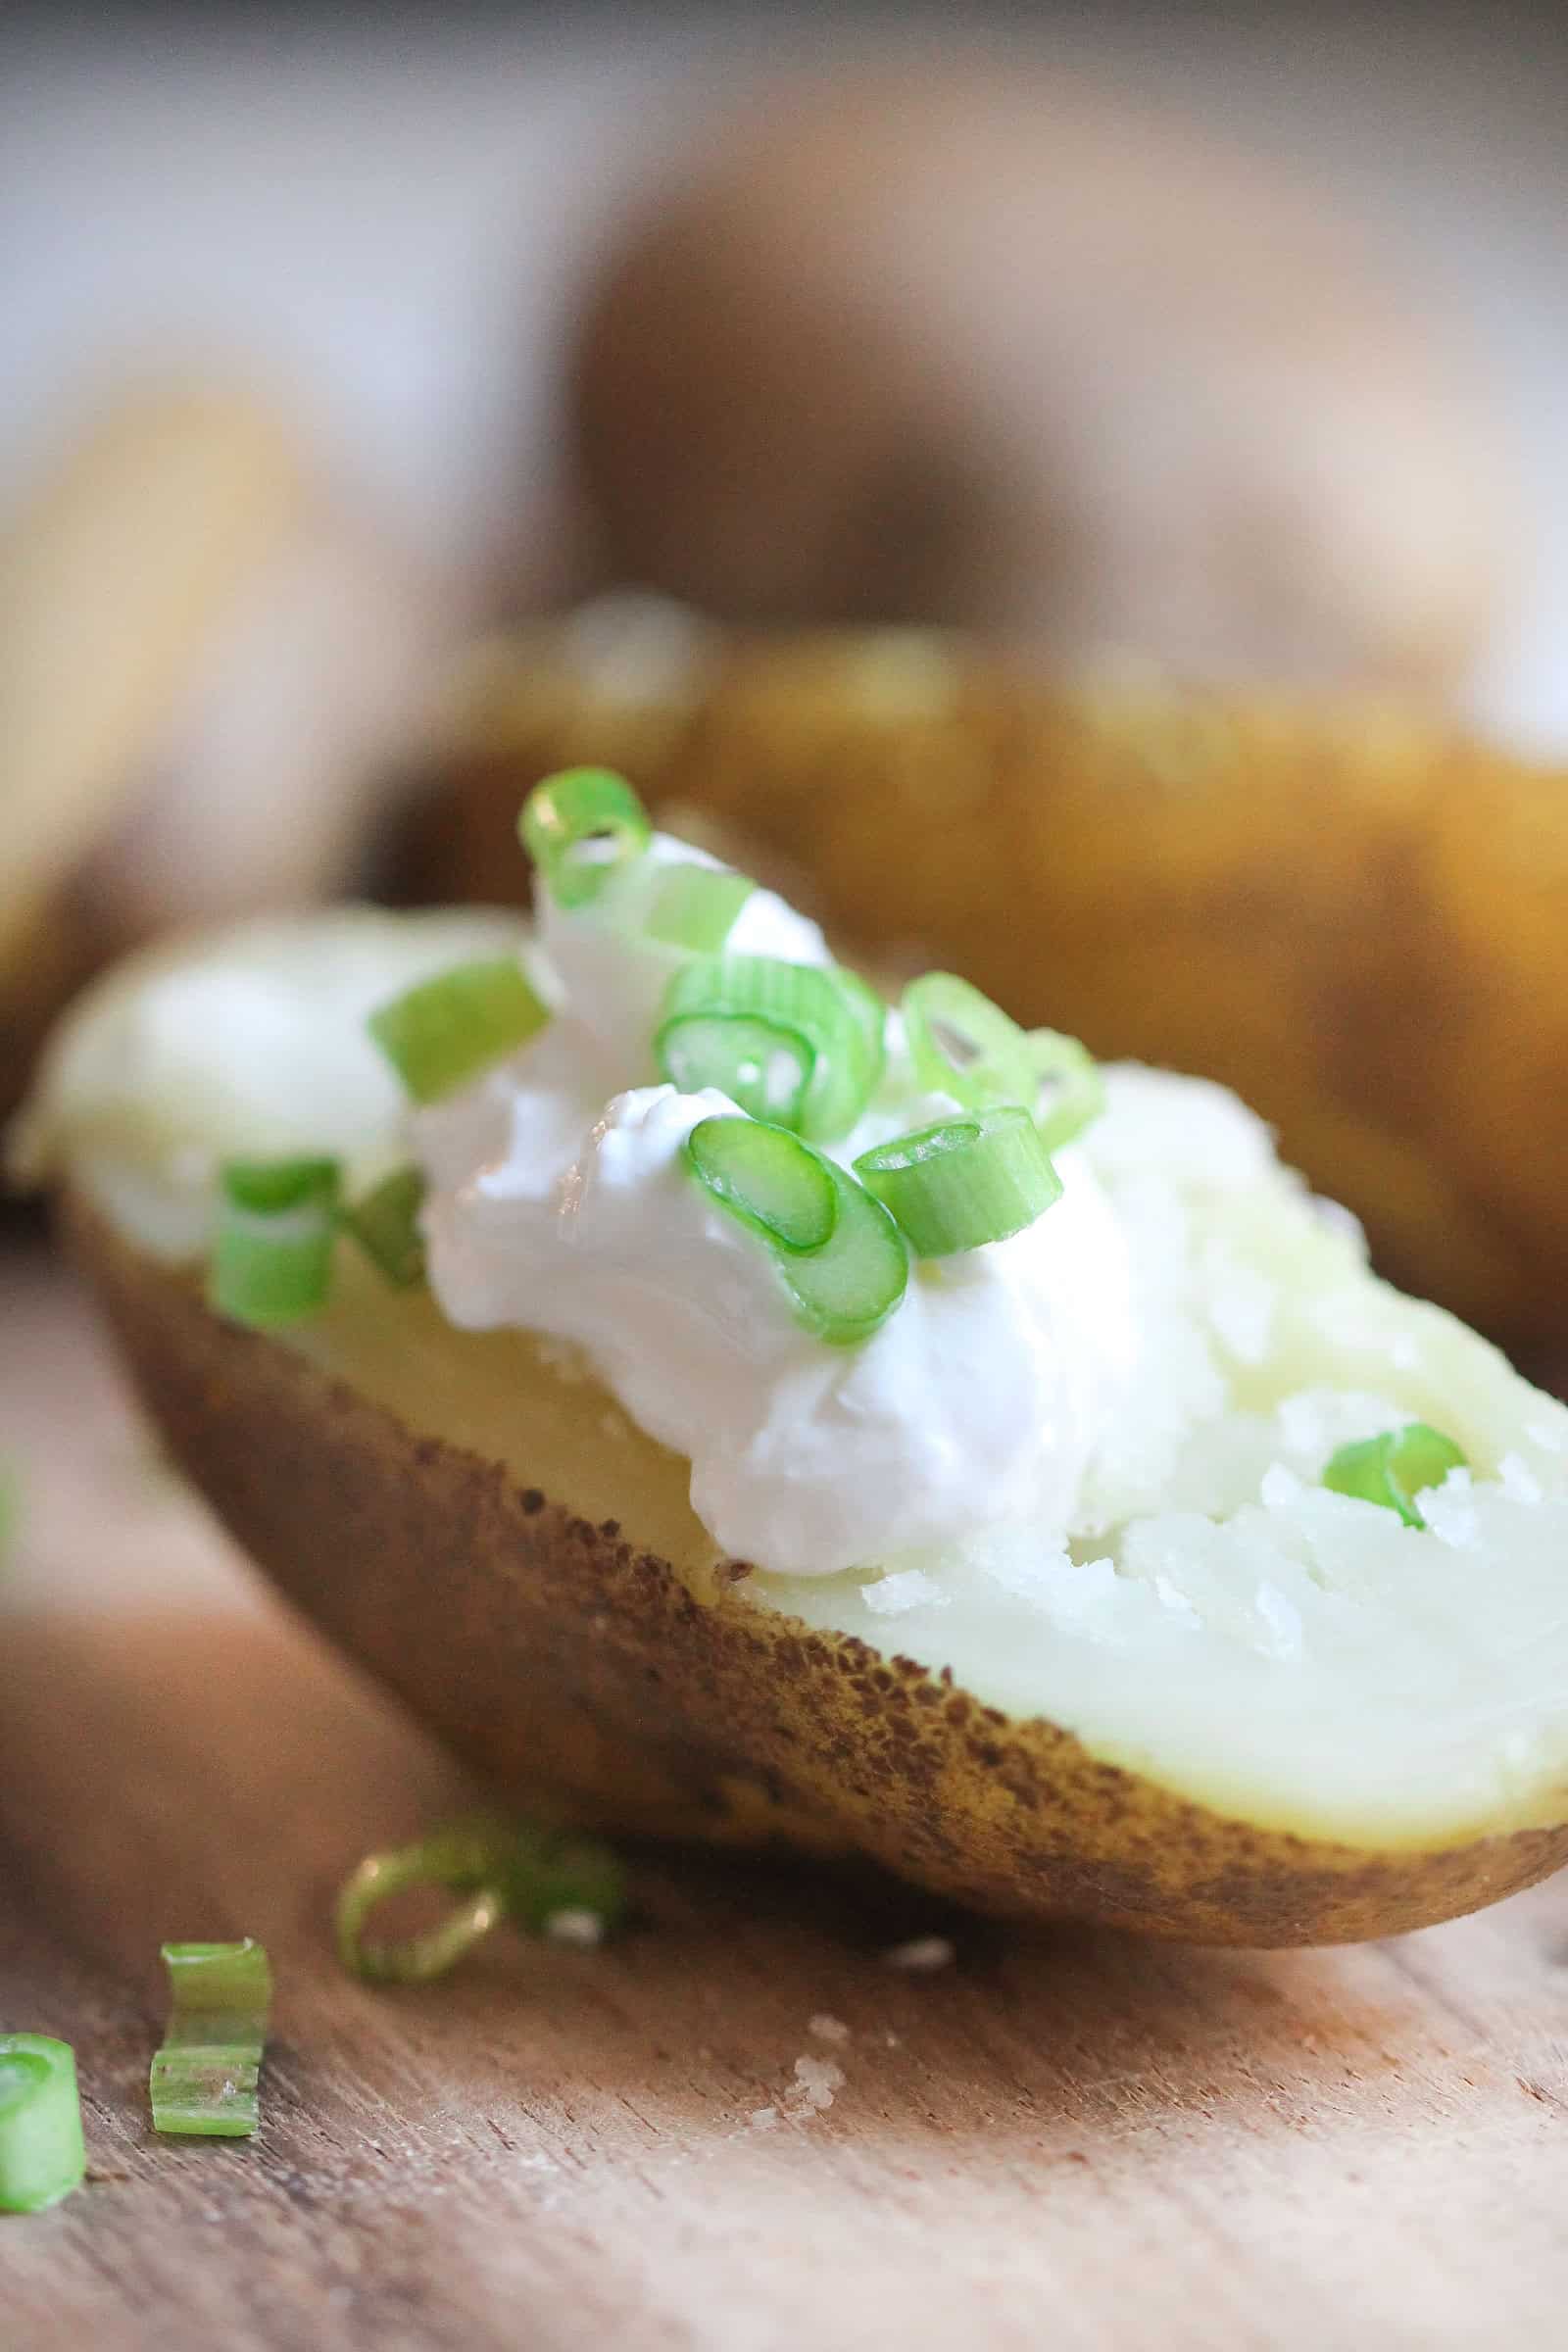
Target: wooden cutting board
{"type": "Point", "coordinates": [737, 2129]}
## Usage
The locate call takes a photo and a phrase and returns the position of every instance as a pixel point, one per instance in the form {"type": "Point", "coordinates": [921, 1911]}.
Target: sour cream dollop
{"type": "Point", "coordinates": [560, 1201]}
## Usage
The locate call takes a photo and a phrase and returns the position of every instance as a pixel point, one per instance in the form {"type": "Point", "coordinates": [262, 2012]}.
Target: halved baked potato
{"type": "Point", "coordinates": [1290, 1720]}
{"type": "Point", "coordinates": [1353, 914]}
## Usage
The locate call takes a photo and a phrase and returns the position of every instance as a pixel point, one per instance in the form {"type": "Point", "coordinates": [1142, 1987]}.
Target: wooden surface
{"type": "Point", "coordinates": [736, 2130]}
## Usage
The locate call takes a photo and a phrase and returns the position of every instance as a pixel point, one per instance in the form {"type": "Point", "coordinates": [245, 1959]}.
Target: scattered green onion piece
{"type": "Point", "coordinates": [203, 2081]}
{"type": "Point", "coordinates": [801, 1051]}
{"type": "Point", "coordinates": [963, 1182]}
{"type": "Point", "coordinates": [694, 907]}
{"type": "Point", "coordinates": [1068, 1092]}
{"type": "Point", "coordinates": [964, 1045]}
{"type": "Point", "coordinates": [1395, 1467]}
{"type": "Point", "coordinates": [767, 1178]}
{"type": "Point", "coordinates": [501, 1870]}
{"type": "Point", "coordinates": [446, 1030]}
{"type": "Point", "coordinates": [272, 1259]}
{"type": "Point", "coordinates": [872, 1011]}
{"type": "Point", "coordinates": [42, 2158]}
{"type": "Point", "coordinates": [580, 828]}
{"type": "Point", "coordinates": [842, 1285]}
{"type": "Point", "coordinates": [385, 1222]}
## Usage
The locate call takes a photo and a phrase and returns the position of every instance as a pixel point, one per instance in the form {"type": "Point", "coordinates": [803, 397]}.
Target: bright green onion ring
{"type": "Point", "coordinates": [767, 1178]}
{"type": "Point", "coordinates": [42, 2157]}
{"type": "Point", "coordinates": [203, 2081]}
{"type": "Point", "coordinates": [802, 1003]}
{"type": "Point", "coordinates": [581, 827]}
{"type": "Point", "coordinates": [696, 907]}
{"type": "Point", "coordinates": [963, 1183]}
{"type": "Point", "coordinates": [446, 1030]}
{"type": "Point", "coordinates": [765, 1071]}
{"type": "Point", "coordinates": [385, 1223]}
{"type": "Point", "coordinates": [1392, 1468]}
{"type": "Point", "coordinates": [964, 1045]}
{"type": "Point", "coordinates": [500, 1869]}
{"type": "Point", "coordinates": [271, 1255]}
{"type": "Point", "coordinates": [1068, 1091]}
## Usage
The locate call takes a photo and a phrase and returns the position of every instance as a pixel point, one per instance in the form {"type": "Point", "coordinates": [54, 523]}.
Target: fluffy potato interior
{"type": "Point", "coordinates": [1219, 1622]}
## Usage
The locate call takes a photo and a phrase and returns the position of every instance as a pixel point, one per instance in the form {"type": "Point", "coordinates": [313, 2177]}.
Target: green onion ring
{"type": "Point", "coordinates": [1392, 1468]}
{"type": "Point", "coordinates": [42, 2158]}
{"type": "Point", "coordinates": [963, 1183]}
{"type": "Point", "coordinates": [1068, 1091]}
{"type": "Point", "coordinates": [444, 1031]}
{"type": "Point", "coordinates": [843, 1286]}
{"type": "Point", "coordinates": [810, 1019]}
{"type": "Point", "coordinates": [271, 1255]}
{"type": "Point", "coordinates": [962, 1045]}
{"type": "Point", "coordinates": [696, 907]}
{"type": "Point", "coordinates": [581, 827]}
{"type": "Point", "coordinates": [767, 1178]}
{"type": "Point", "coordinates": [203, 2081]}
{"type": "Point", "coordinates": [500, 1869]}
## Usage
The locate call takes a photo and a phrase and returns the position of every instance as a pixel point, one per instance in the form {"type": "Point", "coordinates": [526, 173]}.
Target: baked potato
{"type": "Point", "coordinates": [982, 345]}
{"type": "Point", "coordinates": [1261, 1711]}
{"type": "Point", "coordinates": [1353, 914]}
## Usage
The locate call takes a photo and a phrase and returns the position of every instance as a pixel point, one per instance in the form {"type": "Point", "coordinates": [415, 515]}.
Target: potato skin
{"type": "Point", "coordinates": [1354, 916]}
{"type": "Point", "coordinates": [572, 1667]}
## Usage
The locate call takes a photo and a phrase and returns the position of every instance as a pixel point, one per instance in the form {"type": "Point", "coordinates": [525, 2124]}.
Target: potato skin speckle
{"type": "Point", "coordinates": [576, 1670]}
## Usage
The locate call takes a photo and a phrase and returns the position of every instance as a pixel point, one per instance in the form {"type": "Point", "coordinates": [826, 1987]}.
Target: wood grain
{"type": "Point", "coordinates": [1066, 2138]}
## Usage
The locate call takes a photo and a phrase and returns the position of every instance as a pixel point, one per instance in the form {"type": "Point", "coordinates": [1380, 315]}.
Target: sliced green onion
{"type": "Point", "coordinates": [443, 1032]}
{"type": "Point", "coordinates": [964, 1045]}
{"type": "Point", "coordinates": [580, 828]}
{"type": "Point", "coordinates": [963, 1182]}
{"type": "Point", "coordinates": [844, 1285]}
{"type": "Point", "coordinates": [694, 907]}
{"type": "Point", "coordinates": [767, 1178]}
{"type": "Point", "coordinates": [794, 1039]}
{"type": "Point", "coordinates": [1068, 1092]}
{"type": "Point", "coordinates": [1395, 1467]}
{"type": "Point", "coordinates": [871, 1010]}
{"type": "Point", "coordinates": [272, 1260]}
{"type": "Point", "coordinates": [500, 1869]}
{"type": "Point", "coordinates": [203, 2081]}
{"type": "Point", "coordinates": [385, 1222]}
{"type": "Point", "coordinates": [42, 2158]}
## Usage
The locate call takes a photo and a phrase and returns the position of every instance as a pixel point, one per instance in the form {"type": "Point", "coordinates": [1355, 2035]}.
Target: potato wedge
{"type": "Point", "coordinates": [1356, 918]}
{"type": "Point", "coordinates": [478, 1521]}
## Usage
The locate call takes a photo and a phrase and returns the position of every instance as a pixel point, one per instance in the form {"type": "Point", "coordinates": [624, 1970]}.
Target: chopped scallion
{"type": "Point", "coordinates": [203, 2081]}
{"type": "Point", "coordinates": [580, 828]}
{"type": "Point", "coordinates": [838, 1251]}
{"type": "Point", "coordinates": [794, 1039]}
{"type": "Point", "coordinates": [271, 1258]}
{"type": "Point", "coordinates": [500, 1869]}
{"type": "Point", "coordinates": [694, 907]}
{"type": "Point", "coordinates": [1068, 1092]}
{"type": "Point", "coordinates": [446, 1030]}
{"type": "Point", "coordinates": [42, 2158]}
{"type": "Point", "coordinates": [963, 1182]}
{"type": "Point", "coordinates": [767, 1178]}
{"type": "Point", "coordinates": [1395, 1467]}
{"type": "Point", "coordinates": [385, 1222]}
{"type": "Point", "coordinates": [964, 1045]}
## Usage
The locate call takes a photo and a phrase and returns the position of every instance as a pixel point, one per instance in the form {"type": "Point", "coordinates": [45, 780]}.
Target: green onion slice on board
{"type": "Point", "coordinates": [446, 1030]}
{"type": "Point", "coordinates": [42, 2158]}
{"type": "Point", "coordinates": [840, 1256]}
{"type": "Point", "coordinates": [963, 1182]}
{"type": "Point", "coordinates": [1395, 1467]}
{"type": "Point", "coordinates": [271, 1255]}
{"type": "Point", "coordinates": [203, 2081]}
{"type": "Point", "coordinates": [500, 1869]}
{"type": "Point", "coordinates": [581, 828]}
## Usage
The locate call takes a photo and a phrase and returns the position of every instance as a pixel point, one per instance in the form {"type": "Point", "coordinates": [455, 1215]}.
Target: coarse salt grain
{"type": "Point", "coordinates": [909, 1589]}
{"type": "Point", "coordinates": [922, 1955]}
{"type": "Point", "coordinates": [582, 1927]}
{"type": "Point", "coordinates": [828, 2029]}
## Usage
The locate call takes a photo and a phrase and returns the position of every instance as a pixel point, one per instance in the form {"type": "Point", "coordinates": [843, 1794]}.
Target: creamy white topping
{"type": "Point", "coordinates": [560, 1201]}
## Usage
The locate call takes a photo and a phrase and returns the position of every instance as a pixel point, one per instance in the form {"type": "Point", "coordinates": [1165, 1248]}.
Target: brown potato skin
{"type": "Point", "coordinates": [568, 1665]}
{"type": "Point", "coordinates": [1352, 915]}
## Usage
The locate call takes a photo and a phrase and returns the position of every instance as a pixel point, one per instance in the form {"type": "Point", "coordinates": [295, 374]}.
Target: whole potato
{"type": "Point", "coordinates": [985, 347]}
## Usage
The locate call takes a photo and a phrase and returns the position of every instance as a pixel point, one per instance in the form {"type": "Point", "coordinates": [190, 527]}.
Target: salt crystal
{"type": "Point", "coordinates": [1449, 1511]}
{"type": "Point", "coordinates": [828, 2029]}
{"type": "Point", "coordinates": [1281, 1489]}
{"type": "Point", "coordinates": [584, 1928]}
{"type": "Point", "coordinates": [1519, 1482]}
{"type": "Point", "coordinates": [922, 1955]}
{"type": "Point", "coordinates": [816, 2082]}
{"type": "Point", "coordinates": [763, 2118]}
{"type": "Point", "coordinates": [909, 1589]}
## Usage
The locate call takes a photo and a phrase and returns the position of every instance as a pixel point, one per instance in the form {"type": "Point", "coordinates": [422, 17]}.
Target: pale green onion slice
{"type": "Point", "coordinates": [204, 2079]}
{"type": "Point", "coordinates": [963, 1182]}
{"type": "Point", "coordinates": [443, 1032]}
{"type": "Point", "coordinates": [839, 1253]}
{"type": "Point", "coordinates": [767, 1178]}
{"type": "Point", "coordinates": [1395, 1467]}
{"type": "Point", "coordinates": [1068, 1092]}
{"type": "Point", "coordinates": [42, 2158]}
{"type": "Point", "coordinates": [500, 1869]}
{"type": "Point", "coordinates": [272, 1258]}
{"type": "Point", "coordinates": [385, 1222]}
{"type": "Point", "coordinates": [819, 1069]}
{"type": "Point", "coordinates": [694, 907]}
{"type": "Point", "coordinates": [871, 1012]}
{"type": "Point", "coordinates": [581, 828]}
{"type": "Point", "coordinates": [962, 1045]}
